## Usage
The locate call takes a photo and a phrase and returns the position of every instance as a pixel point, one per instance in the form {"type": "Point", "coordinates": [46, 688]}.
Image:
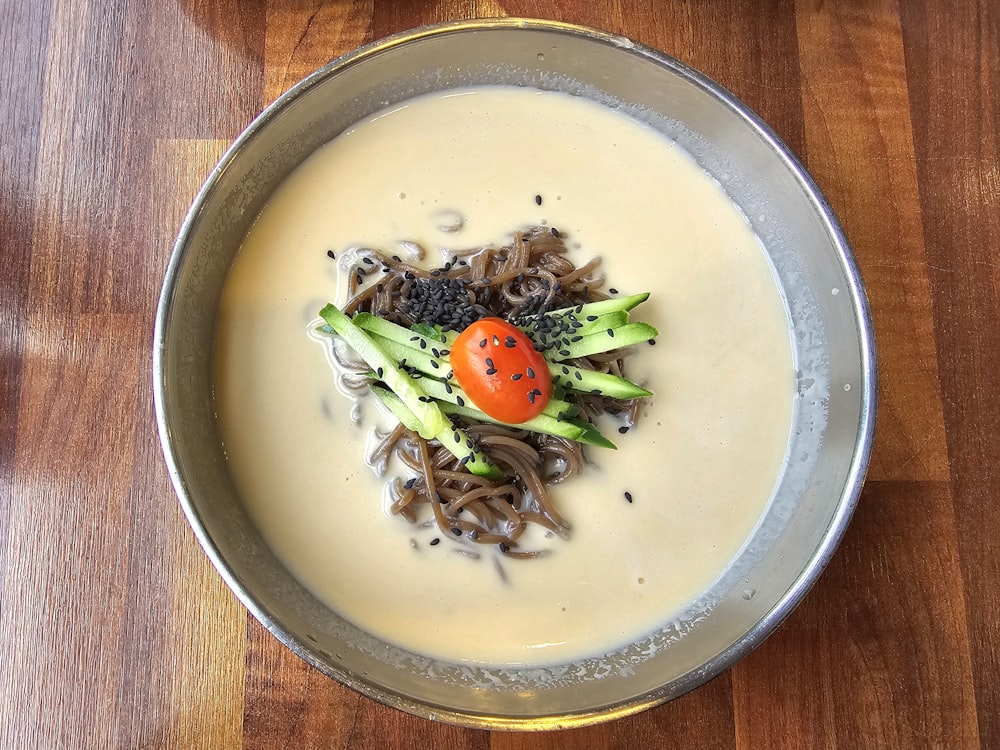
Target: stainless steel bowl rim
{"type": "Point", "coordinates": [859, 460]}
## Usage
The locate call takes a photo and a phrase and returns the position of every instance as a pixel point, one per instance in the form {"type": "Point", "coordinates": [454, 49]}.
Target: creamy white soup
{"type": "Point", "coordinates": [699, 468]}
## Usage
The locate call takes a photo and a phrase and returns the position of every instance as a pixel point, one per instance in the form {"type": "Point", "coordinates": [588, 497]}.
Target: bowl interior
{"type": "Point", "coordinates": [832, 347]}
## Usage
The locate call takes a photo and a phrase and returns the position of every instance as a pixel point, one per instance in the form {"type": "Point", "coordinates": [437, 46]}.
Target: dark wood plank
{"type": "Point", "coordinates": [953, 61]}
{"type": "Point", "coordinates": [702, 718]}
{"type": "Point", "coordinates": [302, 38]}
{"type": "Point", "coordinates": [22, 37]}
{"type": "Point", "coordinates": [290, 704]}
{"type": "Point", "coordinates": [876, 655]}
{"type": "Point", "coordinates": [861, 153]}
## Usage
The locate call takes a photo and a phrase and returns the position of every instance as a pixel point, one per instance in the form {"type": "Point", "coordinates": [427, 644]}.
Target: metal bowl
{"type": "Point", "coordinates": [832, 335]}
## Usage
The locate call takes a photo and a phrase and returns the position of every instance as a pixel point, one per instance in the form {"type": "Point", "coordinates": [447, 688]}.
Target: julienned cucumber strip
{"type": "Point", "coordinates": [452, 437]}
{"type": "Point", "coordinates": [614, 319]}
{"type": "Point", "coordinates": [399, 410]}
{"type": "Point", "coordinates": [596, 343]}
{"type": "Point", "coordinates": [432, 421]}
{"type": "Point", "coordinates": [407, 337]}
{"type": "Point", "coordinates": [588, 381]}
{"type": "Point", "coordinates": [555, 408]}
{"type": "Point", "coordinates": [415, 359]}
{"type": "Point", "coordinates": [572, 429]}
{"type": "Point", "coordinates": [601, 307]}
{"type": "Point", "coordinates": [403, 343]}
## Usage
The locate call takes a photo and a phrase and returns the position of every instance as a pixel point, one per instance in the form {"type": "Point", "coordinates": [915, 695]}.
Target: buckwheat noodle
{"type": "Point", "coordinates": [532, 275]}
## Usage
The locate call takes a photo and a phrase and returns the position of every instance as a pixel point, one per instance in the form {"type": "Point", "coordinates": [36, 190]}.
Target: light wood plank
{"type": "Point", "coordinates": [61, 624]}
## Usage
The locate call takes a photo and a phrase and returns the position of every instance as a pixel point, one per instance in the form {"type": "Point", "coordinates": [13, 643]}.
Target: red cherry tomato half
{"type": "Point", "coordinates": [499, 368]}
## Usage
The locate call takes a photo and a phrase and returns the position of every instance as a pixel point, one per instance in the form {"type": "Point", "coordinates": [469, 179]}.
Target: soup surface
{"type": "Point", "coordinates": [700, 466]}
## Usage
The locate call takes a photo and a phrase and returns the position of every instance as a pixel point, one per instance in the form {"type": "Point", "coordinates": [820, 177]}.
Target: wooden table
{"type": "Point", "coordinates": [115, 631]}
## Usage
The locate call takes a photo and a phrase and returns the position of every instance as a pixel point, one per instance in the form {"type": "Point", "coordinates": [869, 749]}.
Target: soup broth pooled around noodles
{"type": "Point", "coordinates": [631, 536]}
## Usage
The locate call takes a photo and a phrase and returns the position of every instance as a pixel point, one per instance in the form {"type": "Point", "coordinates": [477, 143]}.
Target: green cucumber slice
{"type": "Point", "coordinates": [588, 381]}
{"type": "Point", "coordinates": [572, 429]}
{"type": "Point", "coordinates": [432, 421]}
{"type": "Point", "coordinates": [596, 343]}
{"type": "Point", "coordinates": [451, 437]}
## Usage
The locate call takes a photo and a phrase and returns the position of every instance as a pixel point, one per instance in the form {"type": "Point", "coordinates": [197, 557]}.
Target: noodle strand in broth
{"type": "Point", "coordinates": [530, 276]}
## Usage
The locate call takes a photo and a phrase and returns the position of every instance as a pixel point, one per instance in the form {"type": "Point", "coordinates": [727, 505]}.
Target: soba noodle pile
{"type": "Point", "coordinates": [533, 275]}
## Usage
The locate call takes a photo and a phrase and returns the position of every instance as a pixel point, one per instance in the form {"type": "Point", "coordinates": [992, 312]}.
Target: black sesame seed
{"type": "Point", "coordinates": [379, 371]}
{"type": "Point", "coordinates": [565, 370]}
{"type": "Point", "coordinates": [510, 342]}
{"type": "Point", "coordinates": [482, 343]}
{"type": "Point", "coordinates": [491, 371]}
{"type": "Point", "coordinates": [435, 541]}
{"type": "Point", "coordinates": [595, 392]}
{"type": "Point", "coordinates": [578, 375]}
{"type": "Point", "coordinates": [564, 352]}
{"type": "Point", "coordinates": [474, 534]}
{"type": "Point", "coordinates": [458, 437]}
{"type": "Point", "coordinates": [447, 387]}
{"type": "Point", "coordinates": [503, 547]}
{"type": "Point", "coordinates": [489, 362]}
{"type": "Point", "coordinates": [459, 400]}
{"type": "Point", "coordinates": [538, 200]}
{"type": "Point", "coordinates": [611, 332]}
{"type": "Point", "coordinates": [331, 254]}
{"type": "Point", "coordinates": [612, 290]}
{"type": "Point", "coordinates": [517, 376]}
{"type": "Point", "coordinates": [408, 484]}
{"type": "Point", "coordinates": [652, 342]}
{"type": "Point", "coordinates": [456, 531]}
{"type": "Point", "coordinates": [434, 364]}
{"type": "Point", "coordinates": [531, 397]}
{"type": "Point", "coordinates": [555, 232]}
{"type": "Point", "coordinates": [623, 429]}
{"type": "Point", "coordinates": [628, 496]}
{"type": "Point", "coordinates": [368, 261]}
{"type": "Point", "coordinates": [591, 318]}
{"type": "Point", "coordinates": [531, 373]}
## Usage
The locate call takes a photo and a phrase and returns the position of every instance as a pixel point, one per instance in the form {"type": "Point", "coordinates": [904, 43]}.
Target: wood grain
{"type": "Point", "coordinates": [954, 59]}
{"type": "Point", "coordinates": [115, 631]}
